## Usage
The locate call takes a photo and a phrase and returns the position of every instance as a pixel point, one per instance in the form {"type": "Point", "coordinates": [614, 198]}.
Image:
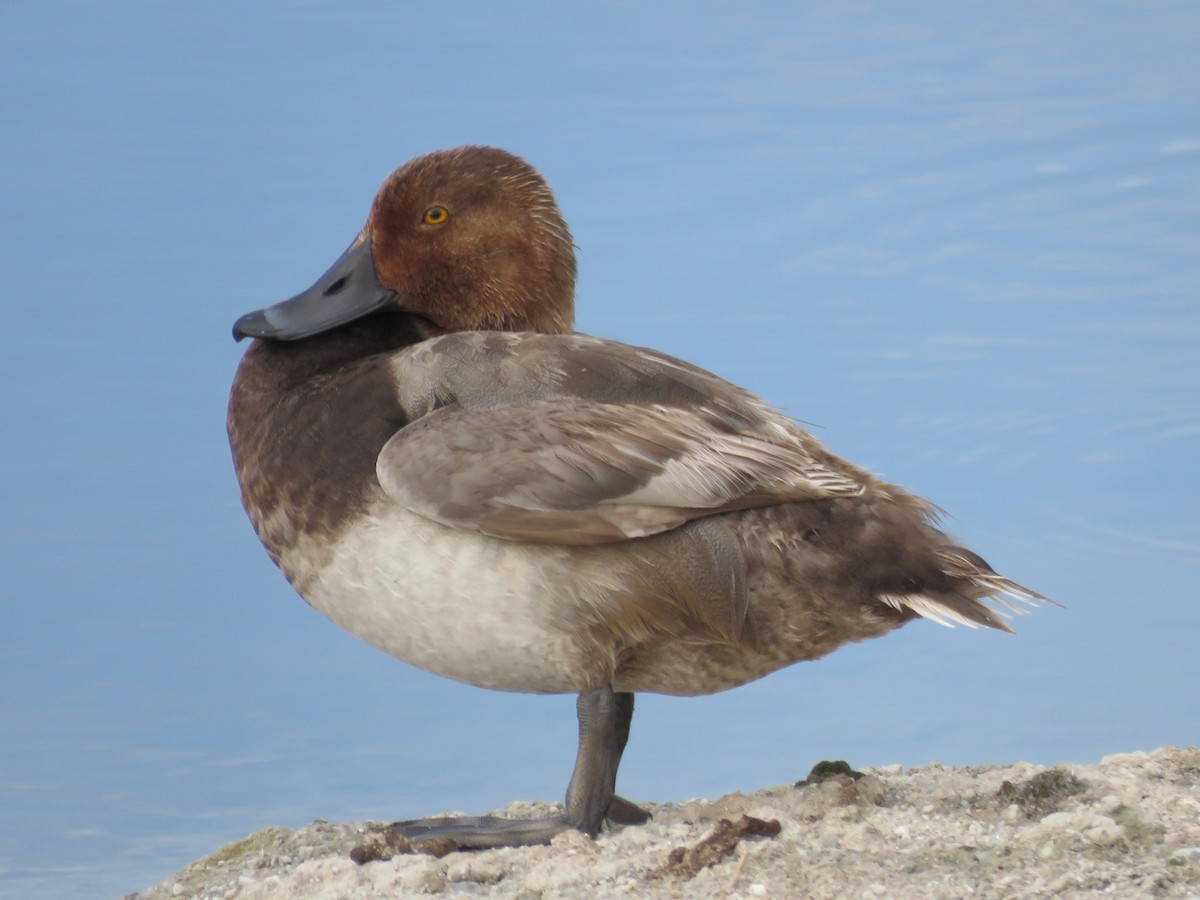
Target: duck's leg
{"type": "Point", "coordinates": [604, 718]}
{"type": "Point", "coordinates": [620, 810]}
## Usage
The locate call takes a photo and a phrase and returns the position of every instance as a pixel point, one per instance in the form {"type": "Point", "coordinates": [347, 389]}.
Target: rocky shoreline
{"type": "Point", "coordinates": [1128, 826]}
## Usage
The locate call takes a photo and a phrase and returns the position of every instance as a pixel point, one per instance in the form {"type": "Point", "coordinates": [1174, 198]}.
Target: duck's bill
{"type": "Point", "coordinates": [349, 290]}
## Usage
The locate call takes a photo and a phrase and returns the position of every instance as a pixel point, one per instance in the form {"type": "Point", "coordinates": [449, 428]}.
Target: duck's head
{"type": "Point", "coordinates": [465, 239]}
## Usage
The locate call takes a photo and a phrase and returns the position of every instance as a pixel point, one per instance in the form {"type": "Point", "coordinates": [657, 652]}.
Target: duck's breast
{"type": "Point", "coordinates": [491, 613]}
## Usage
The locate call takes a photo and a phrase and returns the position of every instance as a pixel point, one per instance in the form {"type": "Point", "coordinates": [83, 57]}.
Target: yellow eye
{"type": "Point", "coordinates": [435, 215]}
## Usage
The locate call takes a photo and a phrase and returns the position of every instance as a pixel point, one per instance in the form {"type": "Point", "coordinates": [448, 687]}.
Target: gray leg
{"type": "Point", "coordinates": [620, 810]}
{"type": "Point", "coordinates": [601, 742]}
{"type": "Point", "coordinates": [604, 718]}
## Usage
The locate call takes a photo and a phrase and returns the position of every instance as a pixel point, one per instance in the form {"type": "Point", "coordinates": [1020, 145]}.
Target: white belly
{"type": "Point", "coordinates": [459, 604]}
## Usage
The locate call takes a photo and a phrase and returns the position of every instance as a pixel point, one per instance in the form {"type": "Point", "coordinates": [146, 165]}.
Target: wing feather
{"type": "Point", "coordinates": [575, 440]}
{"type": "Point", "coordinates": [583, 473]}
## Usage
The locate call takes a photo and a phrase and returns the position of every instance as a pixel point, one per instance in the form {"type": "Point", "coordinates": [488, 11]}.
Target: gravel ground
{"type": "Point", "coordinates": [1128, 826]}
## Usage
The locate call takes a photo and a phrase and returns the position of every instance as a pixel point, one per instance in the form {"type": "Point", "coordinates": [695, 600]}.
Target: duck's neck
{"type": "Point", "coordinates": [307, 420]}
{"type": "Point", "coordinates": [287, 364]}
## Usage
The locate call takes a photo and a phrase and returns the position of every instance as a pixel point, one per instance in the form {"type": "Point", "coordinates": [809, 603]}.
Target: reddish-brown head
{"type": "Point", "coordinates": [472, 239]}
{"type": "Point", "coordinates": [466, 239]}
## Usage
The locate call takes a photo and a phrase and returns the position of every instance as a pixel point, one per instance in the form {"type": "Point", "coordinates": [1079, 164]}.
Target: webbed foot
{"type": "Point", "coordinates": [604, 718]}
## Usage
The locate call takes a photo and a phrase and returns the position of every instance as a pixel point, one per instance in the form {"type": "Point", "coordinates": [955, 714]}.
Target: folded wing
{"type": "Point", "coordinates": [534, 450]}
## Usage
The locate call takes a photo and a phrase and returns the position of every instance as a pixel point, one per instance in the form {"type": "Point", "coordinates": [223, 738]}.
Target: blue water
{"type": "Point", "coordinates": [961, 240]}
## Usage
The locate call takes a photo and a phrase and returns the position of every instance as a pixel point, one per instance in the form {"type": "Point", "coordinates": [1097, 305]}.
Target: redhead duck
{"type": "Point", "coordinates": [439, 465]}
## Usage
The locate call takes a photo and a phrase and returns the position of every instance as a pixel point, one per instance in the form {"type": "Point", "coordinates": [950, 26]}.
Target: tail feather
{"type": "Point", "coordinates": [948, 609]}
{"type": "Point", "coordinates": [987, 598]}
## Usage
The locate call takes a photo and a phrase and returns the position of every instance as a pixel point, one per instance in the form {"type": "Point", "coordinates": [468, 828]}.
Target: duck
{"type": "Point", "coordinates": [436, 462]}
